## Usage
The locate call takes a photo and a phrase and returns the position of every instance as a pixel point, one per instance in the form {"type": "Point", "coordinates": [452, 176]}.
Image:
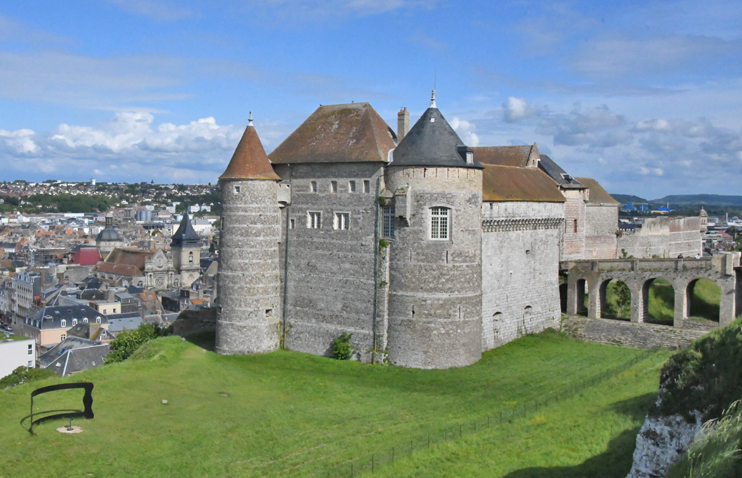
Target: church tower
{"type": "Point", "coordinates": [248, 278]}
{"type": "Point", "coordinates": [186, 250]}
{"type": "Point", "coordinates": [435, 285]}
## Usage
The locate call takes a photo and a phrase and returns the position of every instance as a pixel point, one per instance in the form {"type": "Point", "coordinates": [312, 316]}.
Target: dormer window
{"type": "Point", "coordinates": [74, 322]}
{"type": "Point", "coordinates": [469, 157]}
{"type": "Point", "coordinates": [85, 321]}
{"type": "Point", "coordinates": [64, 323]}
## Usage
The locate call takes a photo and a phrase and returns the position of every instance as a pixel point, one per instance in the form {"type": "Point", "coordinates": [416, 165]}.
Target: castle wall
{"type": "Point", "coordinates": [663, 237]}
{"type": "Point", "coordinates": [601, 223]}
{"type": "Point", "coordinates": [330, 284]}
{"type": "Point", "coordinates": [520, 269]}
{"type": "Point", "coordinates": [573, 241]}
{"type": "Point", "coordinates": [435, 294]}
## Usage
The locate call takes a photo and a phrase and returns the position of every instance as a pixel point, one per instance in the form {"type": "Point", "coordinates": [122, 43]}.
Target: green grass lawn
{"type": "Point", "coordinates": [294, 414]}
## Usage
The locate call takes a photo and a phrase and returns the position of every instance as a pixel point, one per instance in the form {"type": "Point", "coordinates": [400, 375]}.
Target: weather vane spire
{"type": "Point", "coordinates": [432, 96]}
{"type": "Point", "coordinates": [249, 120]}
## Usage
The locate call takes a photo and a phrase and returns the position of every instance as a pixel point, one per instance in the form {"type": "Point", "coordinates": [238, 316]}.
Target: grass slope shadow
{"type": "Point", "coordinates": [205, 340]}
{"type": "Point", "coordinates": [614, 462]}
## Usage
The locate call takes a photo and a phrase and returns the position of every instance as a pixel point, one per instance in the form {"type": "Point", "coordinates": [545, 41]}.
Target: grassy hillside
{"type": "Point", "coordinates": [624, 198]}
{"type": "Point", "coordinates": [300, 415]}
{"type": "Point", "coordinates": [700, 199]}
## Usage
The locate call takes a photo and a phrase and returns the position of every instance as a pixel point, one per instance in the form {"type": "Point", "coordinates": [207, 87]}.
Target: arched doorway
{"type": "Point", "coordinates": [659, 302]}
{"type": "Point", "coordinates": [581, 297]}
{"type": "Point", "coordinates": [615, 300]}
{"type": "Point", "coordinates": [703, 298]}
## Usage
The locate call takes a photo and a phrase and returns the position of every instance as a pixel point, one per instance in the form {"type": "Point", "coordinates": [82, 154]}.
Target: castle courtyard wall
{"type": "Point", "coordinates": [328, 274]}
{"type": "Point", "coordinates": [573, 241]}
{"type": "Point", "coordinates": [520, 269]}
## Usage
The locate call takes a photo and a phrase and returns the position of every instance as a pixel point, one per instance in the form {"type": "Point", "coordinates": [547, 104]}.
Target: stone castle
{"type": "Point", "coordinates": [427, 251]}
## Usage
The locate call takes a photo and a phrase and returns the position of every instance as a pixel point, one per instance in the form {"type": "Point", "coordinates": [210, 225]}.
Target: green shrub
{"type": "Point", "coordinates": [129, 341]}
{"type": "Point", "coordinates": [706, 376]}
{"type": "Point", "coordinates": [23, 375]}
{"type": "Point", "coordinates": [341, 348]}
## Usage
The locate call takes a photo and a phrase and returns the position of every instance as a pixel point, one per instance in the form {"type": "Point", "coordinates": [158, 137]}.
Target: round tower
{"type": "Point", "coordinates": [248, 279]}
{"type": "Point", "coordinates": [435, 285]}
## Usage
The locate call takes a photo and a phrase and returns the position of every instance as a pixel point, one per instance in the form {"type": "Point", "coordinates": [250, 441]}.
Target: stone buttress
{"type": "Point", "coordinates": [248, 279]}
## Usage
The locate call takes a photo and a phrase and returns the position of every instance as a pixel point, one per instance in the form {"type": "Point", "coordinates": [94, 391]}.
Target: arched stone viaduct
{"type": "Point", "coordinates": [723, 269]}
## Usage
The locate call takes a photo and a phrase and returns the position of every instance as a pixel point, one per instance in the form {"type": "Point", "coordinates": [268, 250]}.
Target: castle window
{"type": "Point", "coordinates": [333, 187]}
{"type": "Point", "coordinates": [292, 223]}
{"type": "Point", "coordinates": [190, 258]}
{"type": "Point", "coordinates": [314, 220]}
{"type": "Point", "coordinates": [575, 226]}
{"type": "Point", "coordinates": [342, 221]}
{"type": "Point", "coordinates": [313, 186]}
{"type": "Point", "coordinates": [387, 228]}
{"type": "Point", "coordinates": [440, 222]}
{"type": "Point", "coordinates": [366, 186]}
{"type": "Point", "coordinates": [236, 189]}
{"type": "Point", "coordinates": [352, 186]}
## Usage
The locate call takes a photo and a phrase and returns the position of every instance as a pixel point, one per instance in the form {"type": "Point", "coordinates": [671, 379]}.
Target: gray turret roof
{"type": "Point", "coordinates": [185, 236]}
{"type": "Point", "coordinates": [432, 142]}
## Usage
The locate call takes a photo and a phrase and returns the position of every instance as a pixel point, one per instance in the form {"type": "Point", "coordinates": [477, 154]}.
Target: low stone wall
{"type": "Point", "coordinates": [629, 334]}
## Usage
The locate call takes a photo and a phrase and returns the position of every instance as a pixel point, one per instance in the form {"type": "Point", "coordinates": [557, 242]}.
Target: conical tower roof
{"type": "Point", "coordinates": [185, 236]}
{"type": "Point", "coordinates": [432, 142]}
{"type": "Point", "coordinates": [249, 160]}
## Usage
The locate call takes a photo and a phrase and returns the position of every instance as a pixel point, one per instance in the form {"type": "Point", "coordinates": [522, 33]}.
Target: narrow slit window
{"type": "Point", "coordinates": [575, 226]}
{"type": "Point", "coordinates": [292, 223]}
{"type": "Point", "coordinates": [236, 189]}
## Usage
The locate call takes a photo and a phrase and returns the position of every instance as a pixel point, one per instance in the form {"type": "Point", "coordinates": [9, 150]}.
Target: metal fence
{"type": "Point", "coordinates": [371, 462]}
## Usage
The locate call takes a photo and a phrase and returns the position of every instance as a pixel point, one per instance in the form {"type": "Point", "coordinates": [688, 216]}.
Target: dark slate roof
{"type": "Point", "coordinates": [185, 236]}
{"type": "Point", "coordinates": [432, 142]}
{"type": "Point", "coordinates": [510, 183]}
{"type": "Point", "coordinates": [70, 343]}
{"type": "Point", "coordinates": [79, 359]}
{"type": "Point", "coordinates": [51, 317]}
{"type": "Point", "coordinates": [120, 322]}
{"type": "Point", "coordinates": [598, 195]}
{"type": "Point", "coordinates": [347, 133]}
{"type": "Point", "coordinates": [109, 234]}
{"type": "Point", "coordinates": [555, 172]}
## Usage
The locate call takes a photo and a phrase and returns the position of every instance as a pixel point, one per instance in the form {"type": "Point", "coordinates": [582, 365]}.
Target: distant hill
{"type": "Point", "coordinates": [697, 199]}
{"type": "Point", "coordinates": [624, 198]}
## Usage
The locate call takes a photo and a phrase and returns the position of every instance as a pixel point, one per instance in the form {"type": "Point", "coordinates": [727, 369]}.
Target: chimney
{"type": "Point", "coordinates": [403, 124]}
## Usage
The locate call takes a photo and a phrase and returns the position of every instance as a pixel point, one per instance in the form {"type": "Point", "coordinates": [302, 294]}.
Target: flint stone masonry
{"type": "Point", "coordinates": [520, 293]}
{"type": "Point", "coordinates": [435, 286]}
{"type": "Point", "coordinates": [248, 278]}
{"type": "Point", "coordinates": [629, 334]}
{"type": "Point", "coordinates": [330, 273]}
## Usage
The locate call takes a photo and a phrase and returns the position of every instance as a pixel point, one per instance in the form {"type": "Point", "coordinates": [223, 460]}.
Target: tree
{"type": "Point", "coordinates": [129, 341]}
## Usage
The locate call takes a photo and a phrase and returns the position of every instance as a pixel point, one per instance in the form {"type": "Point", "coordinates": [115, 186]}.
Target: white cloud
{"type": "Point", "coordinates": [466, 131]}
{"type": "Point", "coordinates": [517, 109]}
{"type": "Point", "coordinates": [597, 127]}
{"type": "Point", "coordinates": [20, 141]}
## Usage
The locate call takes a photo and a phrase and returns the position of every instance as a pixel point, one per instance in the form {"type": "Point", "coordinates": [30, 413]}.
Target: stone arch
{"type": "Point", "coordinates": [703, 299]}
{"type": "Point", "coordinates": [615, 299]}
{"type": "Point", "coordinates": [658, 297]}
{"type": "Point", "coordinates": [580, 307]}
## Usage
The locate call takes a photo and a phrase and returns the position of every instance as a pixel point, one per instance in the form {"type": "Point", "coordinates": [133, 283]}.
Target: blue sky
{"type": "Point", "coordinates": [644, 96]}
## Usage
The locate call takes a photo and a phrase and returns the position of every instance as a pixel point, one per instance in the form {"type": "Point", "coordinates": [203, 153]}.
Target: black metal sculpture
{"type": "Point", "coordinates": [87, 401]}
